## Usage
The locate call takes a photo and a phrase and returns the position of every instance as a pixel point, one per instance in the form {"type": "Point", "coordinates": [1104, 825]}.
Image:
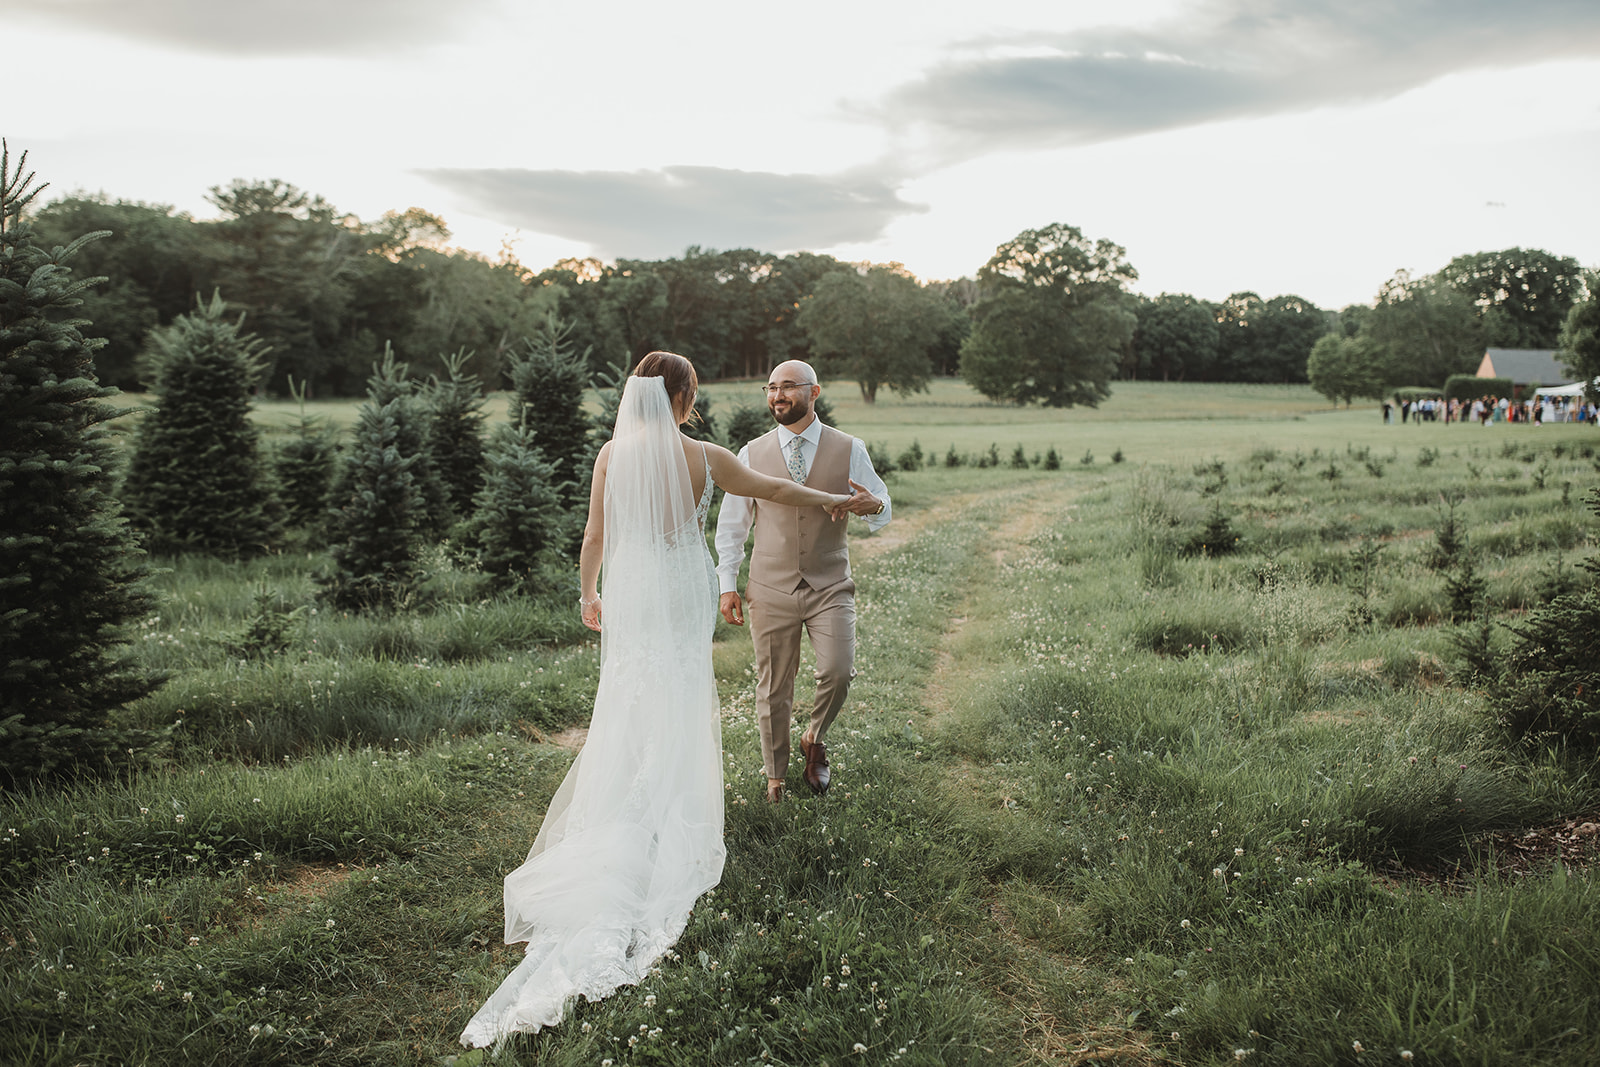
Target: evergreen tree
{"type": "Point", "coordinates": [746, 424]}
{"type": "Point", "coordinates": [375, 531]}
{"type": "Point", "coordinates": [519, 519]}
{"type": "Point", "coordinates": [71, 574]}
{"type": "Point", "coordinates": [455, 433]}
{"type": "Point", "coordinates": [390, 387]}
{"type": "Point", "coordinates": [1550, 689]}
{"type": "Point", "coordinates": [548, 380]}
{"type": "Point", "coordinates": [305, 465]}
{"type": "Point", "coordinates": [198, 480]}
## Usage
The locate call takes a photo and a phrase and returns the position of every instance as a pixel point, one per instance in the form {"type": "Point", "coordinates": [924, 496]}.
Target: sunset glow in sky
{"type": "Point", "coordinates": [1286, 147]}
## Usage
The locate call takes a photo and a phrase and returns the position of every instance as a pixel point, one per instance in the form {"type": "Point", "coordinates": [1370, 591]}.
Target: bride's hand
{"type": "Point", "coordinates": [839, 509]}
{"type": "Point", "coordinates": [591, 612]}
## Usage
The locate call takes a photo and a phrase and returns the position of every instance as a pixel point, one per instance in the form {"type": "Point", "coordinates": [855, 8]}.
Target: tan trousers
{"type": "Point", "coordinates": [829, 617]}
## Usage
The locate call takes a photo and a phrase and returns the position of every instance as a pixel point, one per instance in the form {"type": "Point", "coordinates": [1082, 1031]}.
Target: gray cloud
{"type": "Point", "coordinates": [260, 27]}
{"type": "Point", "coordinates": [658, 213]}
{"type": "Point", "coordinates": [1224, 60]}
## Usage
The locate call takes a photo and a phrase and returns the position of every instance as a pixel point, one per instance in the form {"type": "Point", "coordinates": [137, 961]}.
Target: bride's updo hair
{"type": "Point", "coordinates": [677, 374]}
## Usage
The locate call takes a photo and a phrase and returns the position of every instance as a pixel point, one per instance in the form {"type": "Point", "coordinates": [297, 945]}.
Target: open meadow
{"type": "Point", "coordinates": [1177, 754]}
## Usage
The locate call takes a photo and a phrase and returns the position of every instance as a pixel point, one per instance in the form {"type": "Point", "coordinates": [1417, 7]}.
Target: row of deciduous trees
{"type": "Point", "coordinates": [1420, 330]}
{"type": "Point", "coordinates": [1049, 318]}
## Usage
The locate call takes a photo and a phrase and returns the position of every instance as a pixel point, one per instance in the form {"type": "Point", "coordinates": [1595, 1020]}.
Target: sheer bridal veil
{"type": "Point", "coordinates": [633, 835]}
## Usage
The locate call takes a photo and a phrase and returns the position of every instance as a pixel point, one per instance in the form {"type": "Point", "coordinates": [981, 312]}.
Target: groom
{"type": "Point", "coordinates": [799, 569]}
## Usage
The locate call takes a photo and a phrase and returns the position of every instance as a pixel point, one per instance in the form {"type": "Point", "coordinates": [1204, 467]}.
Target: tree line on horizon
{"type": "Point", "coordinates": [1049, 319]}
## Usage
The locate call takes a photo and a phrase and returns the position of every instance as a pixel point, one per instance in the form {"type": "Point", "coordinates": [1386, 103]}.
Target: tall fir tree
{"type": "Point", "coordinates": [391, 386]}
{"type": "Point", "coordinates": [305, 466]}
{"type": "Point", "coordinates": [518, 522]}
{"type": "Point", "coordinates": [375, 528]}
{"type": "Point", "coordinates": [199, 480]}
{"type": "Point", "coordinates": [455, 432]}
{"type": "Point", "coordinates": [548, 381]}
{"type": "Point", "coordinates": [72, 576]}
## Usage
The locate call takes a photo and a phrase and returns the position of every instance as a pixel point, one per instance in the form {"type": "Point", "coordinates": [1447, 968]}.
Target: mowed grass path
{"type": "Point", "coordinates": [1097, 800]}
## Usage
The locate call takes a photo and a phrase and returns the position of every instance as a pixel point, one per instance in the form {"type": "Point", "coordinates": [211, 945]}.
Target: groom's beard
{"type": "Point", "coordinates": [796, 410]}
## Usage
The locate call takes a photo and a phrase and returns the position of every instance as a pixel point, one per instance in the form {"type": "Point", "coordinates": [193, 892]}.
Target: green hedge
{"type": "Point", "coordinates": [1468, 386]}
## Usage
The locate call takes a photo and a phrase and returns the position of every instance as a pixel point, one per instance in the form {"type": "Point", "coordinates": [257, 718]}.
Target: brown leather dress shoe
{"type": "Point", "coordinates": [817, 774]}
{"type": "Point", "coordinates": [775, 793]}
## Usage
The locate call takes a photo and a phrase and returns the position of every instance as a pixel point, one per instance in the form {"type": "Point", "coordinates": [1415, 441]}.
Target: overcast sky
{"type": "Point", "coordinates": [1284, 147]}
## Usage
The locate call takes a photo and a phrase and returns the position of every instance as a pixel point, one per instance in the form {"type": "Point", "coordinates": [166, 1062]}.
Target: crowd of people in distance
{"type": "Point", "coordinates": [1485, 410]}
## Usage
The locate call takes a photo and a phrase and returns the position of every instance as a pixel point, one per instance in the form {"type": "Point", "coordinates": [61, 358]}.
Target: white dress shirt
{"type": "Point", "coordinates": [733, 522]}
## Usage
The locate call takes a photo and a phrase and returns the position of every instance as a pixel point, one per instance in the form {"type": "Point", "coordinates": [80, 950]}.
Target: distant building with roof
{"type": "Point", "coordinates": [1525, 366]}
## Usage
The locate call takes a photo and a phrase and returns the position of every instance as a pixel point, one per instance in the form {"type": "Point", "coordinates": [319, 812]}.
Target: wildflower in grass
{"type": "Point", "coordinates": [158, 987]}
{"type": "Point", "coordinates": [1405, 1055]}
{"type": "Point", "coordinates": [858, 1048]}
{"type": "Point", "coordinates": [329, 924]}
{"type": "Point", "coordinates": [188, 997]}
{"type": "Point", "coordinates": [1216, 872]}
{"type": "Point", "coordinates": [177, 818]}
{"type": "Point", "coordinates": [1238, 852]}
{"type": "Point", "coordinates": [1242, 1053]}
{"type": "Point", "coordinates": [61, 994]}
{"type": "Point", "coordinates": [1185, 924]}
{"type": "Point", "coordinates": [1305, 822]}
{"type": "Point", "coordinates": [1357, 1046]}
{"type": "Point", "coordinates": [194, 941]}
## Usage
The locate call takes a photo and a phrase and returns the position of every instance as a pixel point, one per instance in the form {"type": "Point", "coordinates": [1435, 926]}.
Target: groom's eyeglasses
{"type": "Point", "coordinates": [787, 387]}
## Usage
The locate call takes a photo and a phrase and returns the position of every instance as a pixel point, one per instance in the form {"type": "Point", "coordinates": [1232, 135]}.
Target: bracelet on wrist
{"type": "Point", "coordinates": [588, 602]}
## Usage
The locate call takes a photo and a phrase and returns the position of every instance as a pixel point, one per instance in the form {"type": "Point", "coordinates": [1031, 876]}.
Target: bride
{"type": "Point", "coordinates": [634, 834]}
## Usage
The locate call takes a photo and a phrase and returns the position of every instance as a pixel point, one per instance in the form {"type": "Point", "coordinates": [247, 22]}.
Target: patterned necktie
{"type": "Point", "coordinates": [797, 467]}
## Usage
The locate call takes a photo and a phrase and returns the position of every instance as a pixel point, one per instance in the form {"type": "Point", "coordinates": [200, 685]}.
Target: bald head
{"type": "Point", "coordinates": [791, 390]}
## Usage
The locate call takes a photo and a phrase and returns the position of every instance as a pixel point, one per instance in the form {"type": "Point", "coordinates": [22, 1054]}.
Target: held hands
{"type": "Point", "coordinates": [732, 608]}
{"type": "Point", "coordinates": [859, 502]}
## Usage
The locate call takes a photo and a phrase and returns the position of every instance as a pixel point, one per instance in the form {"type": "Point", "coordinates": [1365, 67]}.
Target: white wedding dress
{"type": "Point", "coordinates": [634, 834]}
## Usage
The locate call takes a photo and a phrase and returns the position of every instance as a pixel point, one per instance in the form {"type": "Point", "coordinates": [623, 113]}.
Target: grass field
{"type": "Point", "coordinates": [1170, 760]}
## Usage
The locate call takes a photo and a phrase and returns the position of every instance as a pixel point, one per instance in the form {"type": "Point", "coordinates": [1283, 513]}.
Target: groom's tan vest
{"type": "Point", "coordinates": [795, 544]}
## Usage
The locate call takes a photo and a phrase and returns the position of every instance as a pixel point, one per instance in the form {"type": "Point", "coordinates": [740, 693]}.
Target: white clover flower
{"type": "Point", "coordinates": [1357, 1046]}
{"type": "Point", "coordinates": [858, 1048]}
{"type": "Point", "coordinates": [1305, 822]}
{"type": "Point", "coordinates": [187, 997]}
{"type": "Point", "coordinates": [1238, 852]}
{"type": "Point", "coordinates": [1406, 1056]}
{"type": "Point", "coordinates": [1185, 924]}
{"type": "Point", "coordinates": [177, 818]}
{"type": "Point", "coordinates": [61, 994]}
{"type": "Point", "coordinates": [194, 941]}
{"type": "Point", "coordinates": [1242, 1053]}
{"type": "Point", "coordinates": [329, 924]}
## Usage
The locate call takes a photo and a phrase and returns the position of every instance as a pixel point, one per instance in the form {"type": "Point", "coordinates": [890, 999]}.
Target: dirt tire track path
{"type": "Point", "coordinates": [1048, 1037]}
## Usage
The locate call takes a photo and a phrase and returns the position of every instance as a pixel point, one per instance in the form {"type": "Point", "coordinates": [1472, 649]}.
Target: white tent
{"type": "Point", "coordinates": [1575, 389]}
